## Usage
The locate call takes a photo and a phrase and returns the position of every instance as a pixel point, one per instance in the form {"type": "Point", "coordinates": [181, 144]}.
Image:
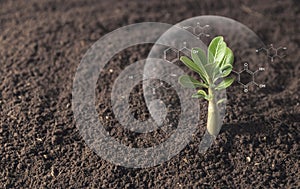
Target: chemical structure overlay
{"type": "Point", "coordinates": [246, 77]}
{"type": "Point", "coordinates": [172, 54]}
{"type": "Point", "coordinates": [273, 52]}
{"type": "Point", "coordinates": [199, 30]}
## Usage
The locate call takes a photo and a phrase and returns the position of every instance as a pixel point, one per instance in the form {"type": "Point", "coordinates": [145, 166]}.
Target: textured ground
{"type": "Point", "coordinates": [41, 45]}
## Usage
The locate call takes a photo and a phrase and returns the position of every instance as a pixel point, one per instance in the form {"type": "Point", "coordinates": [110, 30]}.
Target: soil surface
{"type": "Point", "coordinates": [41, 45]}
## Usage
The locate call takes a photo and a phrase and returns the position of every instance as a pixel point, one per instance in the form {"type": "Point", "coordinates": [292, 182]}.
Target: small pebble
{"type": "Point", "coordinates": [248, 159]}
{"type": "Point", "coordinates": [273, 166]}
{"type": "Point", "coordinates": [185, 160]}
{"type": "Point", "coordinates": [54, 172]}
{"type": "Point", "coordinates": [278, 141]}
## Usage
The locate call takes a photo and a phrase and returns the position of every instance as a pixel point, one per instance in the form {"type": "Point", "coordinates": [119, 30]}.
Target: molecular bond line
{"type": "Point", "coordinates": [246, 77]}
{"type": "Point", "coordinates": [273, 52]}
{"type": "Point", "coordinates": [172, 55]}
{"type": "Point", "coordinates": [198, 30]}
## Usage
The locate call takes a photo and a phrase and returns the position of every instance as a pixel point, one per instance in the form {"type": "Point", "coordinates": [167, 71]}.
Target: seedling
{"type": "Point", "coordinates": [213, 69]}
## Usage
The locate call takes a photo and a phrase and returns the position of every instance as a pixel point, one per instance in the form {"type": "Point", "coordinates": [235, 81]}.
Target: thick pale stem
{"type": "Point", "coordinates": [213, 117]}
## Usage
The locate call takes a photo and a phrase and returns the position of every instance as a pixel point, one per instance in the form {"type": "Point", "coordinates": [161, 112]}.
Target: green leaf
{"type": "Point", "coordinates": [200, 94]}
{"type": "Point", "coordinates": [226, 70]}
{"type": "Point", "coordinates": [189, 82]}
{"type": "Point", "coordinates": [222, 72]}
{"type": "Point", "coordinates": [197, 96]}
{"type": "Point", "coordinates": [225, 83]}
{"type": "Point", "coordinates": [221, 100]}
{"type": "Point", "coordinates": [195, 67]}
{"type": "Point", "coordinates": [228, 58]}
{"type": "Point", "coordinates": [198, 56]}
{"type": "Point", "coordinates": [190, 64]}
{"type": "Point", "coordinates": [217, 50]}
{"type": "Point", "coordinates": [213, 71]}
{"type": "Point", "coordinates": [210, 69]}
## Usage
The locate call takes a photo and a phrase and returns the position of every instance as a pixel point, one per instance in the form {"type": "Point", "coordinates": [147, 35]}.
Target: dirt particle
{"type": "Point", "coordinates": [20, 166]}
{"type": "Point", "coordinates": [56, 140]}
{"type": "Point", "coordinates": [185, 160]}
{"type": "Point", "coordinates": [273, 166]}
{"type": "Point", "coordinates": [39, 139]}
{"type": "Point", "coordinates": [278, 141]}
{"type": "Point", "coordinates": [54, 172]}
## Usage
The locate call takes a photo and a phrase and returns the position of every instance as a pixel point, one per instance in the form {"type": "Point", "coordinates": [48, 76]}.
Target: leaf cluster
{"type": "Point", "coordinates": [212, 67]}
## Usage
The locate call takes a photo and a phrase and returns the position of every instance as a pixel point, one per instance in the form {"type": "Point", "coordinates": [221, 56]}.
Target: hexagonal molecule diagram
{"type": "Point", "coordinates": [184, 51]}
{"type": "Point", "coordinates": [246, 77]}
{"type": "Point", "coordinates": [273, 52]}
{"type": "Point", "coordinates": [199, 30]}
{"type": "Point", "coordinates": [172, 55]}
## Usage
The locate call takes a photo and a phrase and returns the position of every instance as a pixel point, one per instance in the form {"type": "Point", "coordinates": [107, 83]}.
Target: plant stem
{"type": "Point", "coordinates": [213, 117]}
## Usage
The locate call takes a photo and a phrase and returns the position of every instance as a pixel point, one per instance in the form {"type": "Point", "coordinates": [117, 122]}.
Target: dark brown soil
{"type": "Point", "coordinates": [41, 45]}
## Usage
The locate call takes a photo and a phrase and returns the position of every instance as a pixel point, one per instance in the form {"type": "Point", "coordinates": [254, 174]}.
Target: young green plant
{"type": "Point", "coordinates": [213, 69]}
